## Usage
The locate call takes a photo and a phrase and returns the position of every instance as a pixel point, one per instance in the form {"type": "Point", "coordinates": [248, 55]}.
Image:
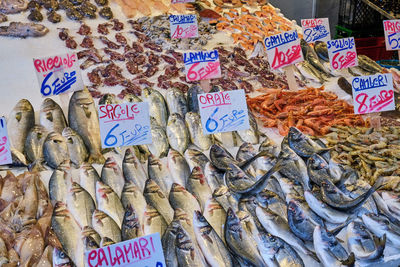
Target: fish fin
{"type": "Point", "coordinates": [18, 116]}
{"type": "Point", "coordinates": [337, 230]}
{"type": "Point", "coordinates": [350, 260]}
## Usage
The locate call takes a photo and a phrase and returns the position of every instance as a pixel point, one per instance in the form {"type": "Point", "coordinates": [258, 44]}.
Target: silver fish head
{"type": "Point", "coordinates": [181, 215]}
{"type": "Point", "coordinates": [38, 132]}
{"type": "Point", "coordinates": [131, 98]}
{"type": "Point", "coordinates": [328, 186]}
{"type": "Point", "coordinates": [60, 258]}
{"type": "Point", "coordinates": [152, 187]}
{"type": "Point", "coordinates": [23, 106]}
{"type": "Point", "coordinates": [183, 240]}
{"type": "Point", "coordinates": [48, 105]}
{"type": "Point", "coordinates": [69, 132]}
{"type": "Point", "coordinates": [106, 241]}
{"type": "Point", "coordinates": [295, 209]}
{"type": "Point", "coordinates": [130, 156]}
{"type": "Point", "coordinates": [102, 189]}
{"type": "Point", "coordinates": [295, 134]}
{"type": "Point", "coordinates": [197, 174]}
{"type": "Point", "coordinates": [220, 191]}
{"type": "Point", "coordinates": [199, 220]}
{"type": "Point", "coordinates": [174, 118]}
{"type": "Point", "coordinates": [316, 162]}
{"type": "Point", "coordinates": [131, 219]}
{"type": "Point", "coordinates": [218, 151]}
{"type": "Point", "coordinates": [90, 243]}
{"type": "Point", "coordinates": [111, 163]}
{"type": "Point", "coordinates": [177, 188]}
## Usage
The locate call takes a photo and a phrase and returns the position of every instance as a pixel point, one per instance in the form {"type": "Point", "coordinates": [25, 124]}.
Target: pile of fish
{"type": "Point", "coordinates": [372, 152]}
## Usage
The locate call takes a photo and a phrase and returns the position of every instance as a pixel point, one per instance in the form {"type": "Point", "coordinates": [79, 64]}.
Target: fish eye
{"type": "Point", "coordinates": [62, 254]}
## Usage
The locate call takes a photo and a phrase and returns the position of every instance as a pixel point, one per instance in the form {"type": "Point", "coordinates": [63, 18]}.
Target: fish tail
{"type": "Point", "coordinates": [378, 184]}
{"type": "Point", "coordinates": [350, 260]}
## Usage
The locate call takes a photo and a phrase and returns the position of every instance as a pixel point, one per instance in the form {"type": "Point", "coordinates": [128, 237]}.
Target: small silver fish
{"type": "Point", "coordinates": [20, 121]}
{"type": "Point", "coordinates": [177, 133]}
{"type": "Point", "coordinates": [133, 170]}
{"type": "Point", "coordinates": [55, 150]}
{"type": "Point", "coordinates": [76, 147]}
{"type": "Point", "coordinates": [176, 102]}
{"type": "Point", "coordinates": [111, 174]}
{"type": "Point", "coordinates": [51, 116]}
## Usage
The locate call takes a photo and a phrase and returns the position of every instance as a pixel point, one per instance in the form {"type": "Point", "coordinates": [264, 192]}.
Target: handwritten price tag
{"type": "Point", "coordinates": [5, 152]}
{"type": "Point", "coordinates": [392, 34]}
{"type": "Point", "coordinates": [124, 124]}
{"type": "Point", "coordinates": [58, 74]}
{"type": "Point", "coordinates": [223, 111]}
{"type": "Point", "coordinates": [183, 26]}
{"type": "Point", "coordinates": [283, 49]}
{"type": "Point", "coordinates": [342, 53]}
{"type": "Point", "coordinates": [373, 93]}
{"type": "Point", "coordinates": [202, 65]}
{"type": "Point", "coordinates": [316, 30]}
{"type": "Point", "coordinates": [138, 252]}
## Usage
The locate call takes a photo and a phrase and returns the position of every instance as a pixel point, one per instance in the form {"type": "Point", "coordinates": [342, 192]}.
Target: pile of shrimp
{"type": "Point", "coordinates": [248, 28]}
{"type": "Point", "coordinates": [311, 110]}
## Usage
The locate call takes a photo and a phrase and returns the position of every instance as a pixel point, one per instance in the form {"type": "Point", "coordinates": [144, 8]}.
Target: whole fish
{"type": "Point", "coordinates": [157, 105]}
{"type": "Point", "coordinates": [168, 244]}
{"type": "Point", "coordinates": [239, 241]}
{"type": "Point", "coordinates": [310, 72]}
{"type": "Point", "coordinates": [51, 116]}
{"type": "Point", "coordinates": [356, 189]}
{"type": "Point", "coordinates": [329, 250]}
{"type": "Point", "coordinates": [368, 64]}
{"type": "Point", "coordinates": [156, 198]}
{"type": "Point", "coordinates": [312, 58]}
{"type": "Point", "coordinates": [55, 150]}
{"type": "Point", "coordinates": [61, 259]}
{"type": "Point", "coordinates": [80, 204]}
{"type": "Point", "coordinates": [133, 170]}
{"type": "Point", "coordinates": [290, 189]}
{"type": "Point", "coordinates": [195, 157]}
{"type": "Point", "coordinates": [177, 133]}
{"type": "Point", "coordinates": [88, 177]}
{"type": "Point", "coordinates": [20, 121]}
{"type": "Point", "coordinates": [198, 186]}
{"type": "Point", "coordinates": [384, 209]}
{"type": "Point", "coordinates": [180, 198]}
{"type": "Point", "coordinates": [215, 178]}
{"type": "Point", "coordinates": [225, 198]}
{"type": "Point", "coordinates": [210, 243]}
{"type": "Point", "coordinates": [186, 222]}
{"type": "Point", "coordinates": [153, 222]}
{"type": "Point", "coordinates": [247, 151]}
{"type": "Point", "coordinates": [67, 232]}
{"type": "Point", "coordinates": [23, 30]}
{"type": "Point", "coordinates": [197, 137]}
{"type": "Point", "coordinates": [178, 167]}
{"type": "Point", "coordinates": [58, 182]}
{"type": "Point", "coordinates": [131, 226]}
{"type": "Point", "coordinates": [335, 198]}
{"type": "Point", "coordinates": [380, 226]}
{"type": "Point", "coordinates": [12, 6]}
{"type": "Point", "coordinates": [322, 50]}
{"type": "Point", "coordinates": [160, 144]}
{"type": "Point", "coordinates": [109, 202]}
{"type": "Point", "coordinates": [221, 158]}
{"type": "Point", "coordinates": [106, 226]}
{"type": "Point", "coordinates": [34, 145]}
{"type": "Point", "coordinates": [318, 169]}
{"type": "Point", "coordinates": [277, 226]}
{"type": "Point", "coordinates": [76, 147]}
{"type": "Point", "coordinates": [83, 118]}
{"type": "Point", "coordinates": [215, 215]}
{"type": "Point", "coordinates": [158, 172]}
{"type": "Point", "coordinates": [132, 196]}
{"type": "Point", "coordinates": [176, 101]}
{"type": "Point", "coordinates": [270, 200]}
{"type": "Point", "coordinates": [274, 185]}
{"type": "Point", "coordinates": [187, 253]}
{"type": "Point", "coordinates": [303, 145]}
{"type": "Point", "coordinates": [276, 252]}
{"type": "Point", "coordinates": [192, 101]}
{"type": "Point", "coordinates": [364, 245]}
{"type": "Point", "coordinates": [111, 174]}
{"type": "Point", "coordinates": [250, 135]}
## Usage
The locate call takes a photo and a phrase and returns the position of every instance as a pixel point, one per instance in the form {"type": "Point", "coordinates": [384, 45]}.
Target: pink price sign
{"type": "Point", "coordinates": [183, 26]}
{"type": "Point", "coordinates": [283, 49]}
{"type": "Point", "coordinates": [202, 65]}
{"type": "Point", "coordinates": [342, 53]}
{"type": "Point", "coordinates": [138, 252]}
{"type": "Point", "coordinates": [373, 93]}
{"type": "Point", "coordinates": [392, 34]}
{"type": "Point", "coordinates": [5, 151]}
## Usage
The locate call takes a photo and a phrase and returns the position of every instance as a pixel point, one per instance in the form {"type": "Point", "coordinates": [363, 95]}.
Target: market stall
{"type": "Point", "coordinates": [207, 133]}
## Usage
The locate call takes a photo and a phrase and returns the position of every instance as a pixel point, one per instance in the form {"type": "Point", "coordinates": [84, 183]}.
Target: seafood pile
{"type": "Point", "coordinates": [372, 152]}
{"type": "Point", "coordinates": [312, 110]}
{"type": "Point", "coordinates": [25, 220]}
{"type": "Point", "coordinates": [133, 8]}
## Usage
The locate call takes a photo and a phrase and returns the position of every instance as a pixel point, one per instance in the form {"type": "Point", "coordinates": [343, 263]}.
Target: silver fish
{"type": "Point", "coordinates": [153, 222]}
{"type": "Point", "coordinates": [215, 178]}
{"type": "Point", "coordinates": [89, 243]}
{"type": "Point", "coordinates": [195, 157]}
{"type": "Point", "coordinates": [83, 118]}
{"type": "Point", "coordinates": [269, 146]}
{"type": "Point", "coordinates": [67, 232]}
{"type": "Point", "coordinates": [132, 196]}
{"type": "Point", "coordinates": [210, 243]}
{"type": "Point", "coordinates": [55, 150]}
{"type": "Point", "coordinates": [111, 174]}
{"type": "Point", "coordinates": [180, 198]}
{"type": "Point", "coordinates": [186, 222]}
{"type": "Point", "coordinates": [176, 101]}
{"type": "Point", "coordinates": [80, 204]}
{"type": "Point", "coordinates": [156, 198]}
{"type": "Point", "coordinates": [197, 137]}
{"type": "Point", "coordinates": [239, 241]}
{"type": "Point", "coordinates": [105, 241]}
{"type": "Point", "coordinates": [193, 102]}
{"type": "Point", "coordinates": [158, 171]}
{"type": "Point", "coordinates": [303, 145]}
{"type": "Point", "coordinates": [221, 158]}
{"type": "Point", "coordinates": [58, 182]}
{"type": "Point", "coordinates": [157, 105]}
{"type": "Point", "coordinates": [133, 170]}
{"type": "Point", "coordinates": [51, 116]}
{"type": "Point", "coordinates": [177, 133]}
{"type": "Point", "coordinates": [250, 135]}
{"type": "Point", "coordinates": [20, 121]}
{"type": "Point", "coordinates": [270, 200]}
{"type": "Point", "coordinates": [160, 144]}
{"type": "Point", "coordinates": [131, 226]}
{"type": "Point", "coordinates": [109, 202]}
{"type": "Point", "coordinates": [198, 186]}
{"type": "Point", "coordinates": [178, 167]}
{"type": "Point", "coordinates": [60, 258]}
{"type": "Point", "coordinates": [392, 201]}
{"type": "Point", "coordinates": [76, 147]}
{"type": "Point", "coordinates": [12, 6]}
{"type": "Point", "coordinates": [106, 226]}
{"type": "Point", "coordinates": [368, 64]}
{"type": "Point", "coordinates": [187, 253]}
{"type": "Point", "coordinates": [225, 198]}
{"type": "Point", "coordinates": [34, 145]}
{"type": "Point", "coordinates": [380, 225]}
{"type": "Point", "coordinates": [168, 244]}
{"type": "Point", "coordinates": [88, 231]}
{"type": "Point", "coordinates": [363, 244]}
{"type": "Point", "coordinates": [215, 215]}
{"type": "Point", "coordinates": [88, 177]}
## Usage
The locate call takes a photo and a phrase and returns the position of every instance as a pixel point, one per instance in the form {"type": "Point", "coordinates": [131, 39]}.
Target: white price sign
{"type": "Point", "coordinates": [316, 30]}
{"type": "Point", "coordinates": [392, 34]}
{"type": "Point", "coordinates": [342, 53]}
{"type": "Point", "coordinates": [183, 26]}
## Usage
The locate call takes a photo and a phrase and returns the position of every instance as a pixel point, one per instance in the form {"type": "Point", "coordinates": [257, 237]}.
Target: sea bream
{"type": "Point", "coordinates": [80, 204]}
{"type": "Point", "coordinates": [34, 146]}
{"type": "Point", "coordinates": [159, 146]}
{"type": "Point", "coordinates": [76, 147]}
{"type": "Point", "coordinates": [177, 133]}
{"type": "Point", "coordinates": [55, 150]}
{"type": "Point", "coordinates": [157, 105]}
{"type": "Point", "coordinates": [176, 101]}
{"type": "Point", "coordinates": [105, 226]}
{"type": "Point", "coordinates": [187, 253]}
{"type": "Point", "coordinates": [153, 222]}
{"type": "Point", "coordinates": [178, 167]}
{"type": "Point", "coordinates": [51, 116]}
{"type": "Point", "coordinates": [197, 137]}
{"type": "Point", "coordinates": [88, 177]}
{"type": "Point", "coordinates": [158, 172]}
